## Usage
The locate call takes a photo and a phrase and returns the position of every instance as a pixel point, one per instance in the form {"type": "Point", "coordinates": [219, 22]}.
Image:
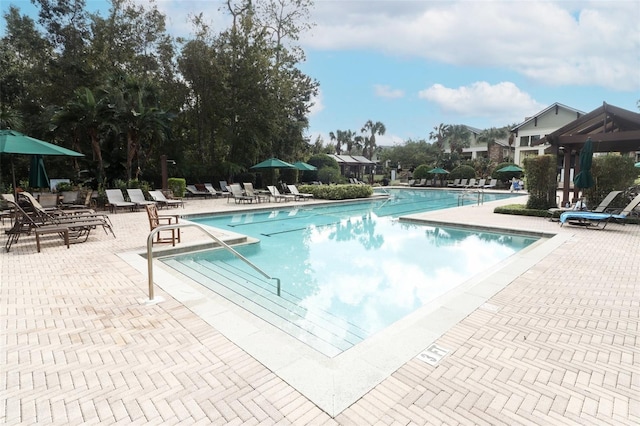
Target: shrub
{"type": "Point", "coordinates": [422, 172]}
{"type": "Point", "coordinates": [610, 173]}
{"type": "Point", "coordinates": [541, 181]}
{"type": "Point", "coordinates": [178, 186]}
{"type": "Point", "coordinates": [337, 192]}
{"type": "Point", "coordinates": [329, 175]}
{"type": "Point", "coordinates": [521, 210]}
{"type": "Point", "coordinates": [462, 172]}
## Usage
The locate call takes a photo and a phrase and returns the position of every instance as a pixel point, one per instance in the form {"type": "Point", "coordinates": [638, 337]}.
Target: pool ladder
{"type": "Point", "coordinates": [471, 194]}
{"type": "Point", "coordinates": [213, 237]}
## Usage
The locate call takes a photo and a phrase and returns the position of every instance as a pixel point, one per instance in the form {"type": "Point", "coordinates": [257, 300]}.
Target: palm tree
{"type": "Point", "coordinates": [373, 129]}
{"type": "Point", "coordinates": [439, 135]}
{"type": "Point", "coordinates": [10, 119]}
{"type": "Point", "coordinates": [490, 136]}
{"type": "Point", "coordinates": [86, 116]}
{"type": "Point", "coordinates": [459, 138]}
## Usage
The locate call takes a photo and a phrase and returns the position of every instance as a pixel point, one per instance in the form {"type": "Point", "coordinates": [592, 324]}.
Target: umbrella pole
{"type": "Point", "coordinates": [15, 188]}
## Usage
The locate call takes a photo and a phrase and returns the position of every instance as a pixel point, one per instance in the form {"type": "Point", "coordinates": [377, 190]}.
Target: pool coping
{"type": "Point", "coordinates": [333, 384]}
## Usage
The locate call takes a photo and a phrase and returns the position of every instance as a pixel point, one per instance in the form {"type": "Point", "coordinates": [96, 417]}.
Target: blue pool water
{"type": "Point", "coordinates": [347, 271]}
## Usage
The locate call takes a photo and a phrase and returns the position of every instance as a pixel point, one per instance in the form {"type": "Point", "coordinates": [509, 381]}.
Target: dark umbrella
{"type": "Point", "coordinates": [37, 173]}
{"type": "Point", "coordinates": [584, 179]}
{"type": "Point", "coordinates": [305, 167]}
{"type": "Point", "coordinates": [12, 142]}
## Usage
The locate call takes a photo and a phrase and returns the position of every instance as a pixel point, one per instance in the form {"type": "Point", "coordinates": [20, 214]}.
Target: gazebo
{"type": "Point", "coordinates": [612, 129]}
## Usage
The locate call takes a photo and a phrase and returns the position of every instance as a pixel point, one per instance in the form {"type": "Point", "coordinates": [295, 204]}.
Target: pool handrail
{"type": "Point", "coordinates": [216, 239]}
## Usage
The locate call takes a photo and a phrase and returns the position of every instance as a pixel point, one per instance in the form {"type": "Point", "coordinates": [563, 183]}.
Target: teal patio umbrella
{"type": "Point", "coordinates": [304, 167]}
{"type": "Point", "coordinates": [37, 173]}
{"type": "Point", "coordinates": [510, 168]}
{"type": "Point", "coordinates": [13, 142]}
{"type": "Point", "coordinates": [584, 179]}
{"type": "Point", "coordinates": [438, 171]}
{"type": "Point", "coordinates": [273, 163]}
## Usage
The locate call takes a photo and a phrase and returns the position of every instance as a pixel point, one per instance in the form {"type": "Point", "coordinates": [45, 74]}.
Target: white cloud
{"type": "Point", "coordinates": [384, 91]}
{"type": "Point", "coordinates": [482, 99]}
{"type": "Point", "coordinates": [548, 42]}
{"type": "Point", "coordinates": [316, 104]}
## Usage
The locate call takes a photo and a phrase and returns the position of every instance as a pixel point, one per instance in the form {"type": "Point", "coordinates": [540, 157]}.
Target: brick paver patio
{"type": "Point", "coordinates": [559, 345]}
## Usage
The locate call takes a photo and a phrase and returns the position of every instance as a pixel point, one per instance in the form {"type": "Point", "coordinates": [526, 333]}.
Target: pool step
{"type": "Point", "coordinates": [320, 330]}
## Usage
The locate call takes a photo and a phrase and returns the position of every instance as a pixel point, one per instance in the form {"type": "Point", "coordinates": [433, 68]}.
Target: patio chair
{"type": "Point", "coordinates": [278, 196]}
{"type": "Point", "coordinates": [209, 187]}
{"type": "Point", "coordinates": [480, 183]}
{"type": "Point", "coordinates": [238, 195]}
{"type": "Point", "coordinates": [195, 192]}
{"type": "Point", "coordinates": [471, 184]}
{"type": "Point", "coordinates": [455, 182]}
{"type": "Point", "coordinates": [156, 220]}
{"type": "Point", "coordinates": [462, 183]}
{"type": "Point", "coordinates": [588, 218]}
{"type": "Point", "coordinates": [137, 197]}
{"type": "Point", "coordinates": [299, 195]}
{"type": "Point", "coordinates": [161, 200]}
{"type": "Point", "coordinates": [116, 200]}
{"type": "Point", "coordinates": [250, 192]}
{"type": "Point", "coordinates": [492, 184]}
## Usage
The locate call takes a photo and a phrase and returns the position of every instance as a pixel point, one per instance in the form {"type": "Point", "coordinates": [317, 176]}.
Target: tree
{"type": "Point", "coordinates": [374, 129]}
{"type": "Point", "coordinates": [459, 138]}
{"type": "Point", "coordinates": [439, 135]}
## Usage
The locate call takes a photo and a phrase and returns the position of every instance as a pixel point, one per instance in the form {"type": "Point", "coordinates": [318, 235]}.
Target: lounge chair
{"type": "Point", "coordinates": [587, 218]}
{"type": "Point", "coordinates": [299, 195]}
{"type": "Point", "coordinates": [480, 183]}
{"type": "Point", "coordinates": [492, 184]}
{"type": "Point", "coordinates": [277, 196]}
{"type": "Point", "coordinates": [250, 192]}
{"type": "Point", "coordinates": [161, 200]}
{"type": "Point", "coordinates": [193, 191]}
{"type": "Point", "coordinates": [455, 183]}
{"type": "Point", "coordinates": [116, 200]}
{"type": "Point", "coordinates": [156, 220]}
{"type": "Point", "coordinates": [209, 187]}
{"type": "Point", "coordinates": [136, 196]}
{"type": "Point", "coordinates": [462, 184]}
{"type": "Point", "coordinates": [422, 182]}
{"type": "Point", "coordinates": [71, 227]}
{"type": "Point", "coordinates": [238, 195]}
{"type": "Point", "coordinates": [601, 208]}
{"type": "Point", "coordinates": [471, 184]}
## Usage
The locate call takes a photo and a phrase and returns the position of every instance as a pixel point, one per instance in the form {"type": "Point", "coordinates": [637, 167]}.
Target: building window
{"type": "Point", "coordinates": [524, 140]}
{"type": "Point", "coordinates": [535, 138]}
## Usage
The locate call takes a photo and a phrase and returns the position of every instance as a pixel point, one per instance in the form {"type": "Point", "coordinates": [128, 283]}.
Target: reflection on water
{"type": "Point", "coordinates": [358, 263]}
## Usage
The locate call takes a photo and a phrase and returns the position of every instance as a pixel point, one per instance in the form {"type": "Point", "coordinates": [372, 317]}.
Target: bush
{"type": "Point", "coordinates": [521, 210]}
{"type": "Point", "coordinates": [422, 172]}
{"type": "Point", "coordinates": [541, 181]}
{"type": "Point", "coordinates": [610, 173]}
{"type": "Point", "coordinates": [178, 186]}
{"type": "Point", "coordinates": [462, 172]}
{"type": "Point", "coordinates": [329, 175]}
{"type": "Point", "coordinates": [337, 192]}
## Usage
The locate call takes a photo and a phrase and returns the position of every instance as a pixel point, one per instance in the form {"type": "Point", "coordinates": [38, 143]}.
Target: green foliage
{"type": "Point", "coordinates": [521, 210]}
{"type": "Point", "coordinates": [63, 186]}
{"type": "Point", "coordinates": [289, 175]}
{"type": "Point", "coordinates": [541, 181]}
{"type": "Point", "coordinates": [329, 175]}
{"type": "Point", "coordinates": [178, 186]}
{"type": "Point", "coordinates": [610, 173]}
{"type": "Point", "coordinates": [323, 160]}
{"type": "Point", "coordinates": [462, 172]}
{"type": "Point", "coordinates": [422, 172]}
{"type": "Point", "coordinates": [337, 192]}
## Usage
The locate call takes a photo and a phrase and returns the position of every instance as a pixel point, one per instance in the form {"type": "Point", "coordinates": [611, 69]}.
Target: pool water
{"type": "Point", "coordinates": [347, 271]}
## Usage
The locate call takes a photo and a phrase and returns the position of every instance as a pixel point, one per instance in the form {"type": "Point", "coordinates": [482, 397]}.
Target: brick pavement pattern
{"type": "Point", "coordinates": [79, 346]}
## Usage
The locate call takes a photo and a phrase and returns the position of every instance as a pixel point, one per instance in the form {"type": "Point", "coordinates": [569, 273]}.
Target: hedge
{"type": "Point", "coordinates": [337, 192]}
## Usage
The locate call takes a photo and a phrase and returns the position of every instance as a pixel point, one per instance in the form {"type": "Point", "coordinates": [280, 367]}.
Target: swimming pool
{"type": "Point", "coordinates": [347, 270]}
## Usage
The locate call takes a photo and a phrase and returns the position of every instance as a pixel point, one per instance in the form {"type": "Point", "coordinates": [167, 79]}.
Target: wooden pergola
{"type": "Point", "coordinates": [611, 129]}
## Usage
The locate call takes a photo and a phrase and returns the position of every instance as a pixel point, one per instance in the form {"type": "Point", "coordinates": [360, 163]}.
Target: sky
{"type": "Point", "coordinates": [413, 65]}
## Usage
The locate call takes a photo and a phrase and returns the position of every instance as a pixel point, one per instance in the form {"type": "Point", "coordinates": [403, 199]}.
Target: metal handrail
{"type": "Point", "coordinates": [479, 196]}
{"type": "Point", "coordinates": [216, 239]}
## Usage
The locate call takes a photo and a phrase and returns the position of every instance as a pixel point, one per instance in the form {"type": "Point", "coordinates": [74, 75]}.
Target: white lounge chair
{"type": "Point", "coordinates": [136, 196]}
{"type": "Point", "coordinates": [278, 196]}
{"type": "Point", "coordinates": [116, 200]}
{"type": "Point", "coordinates": [160, 198]}
{"type": "Point", "coordinates": [299, 195]}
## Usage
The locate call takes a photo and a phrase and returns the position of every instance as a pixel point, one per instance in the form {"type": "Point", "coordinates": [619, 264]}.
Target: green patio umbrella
{"type": "Point", "coordinates": [273, 163]}
{"type": "Point", "coordinates": [37, 173]}
{"type": "Point", "coordinates": [438, 171]}
{"type": "Point", "coordinates": [584, 179]}
{"type": "Point", "coordinates": [510, 168]}
{"type": "Point", "coordinates": [13, 142]}
{"type": "Point", "coordinates": [304, 167]}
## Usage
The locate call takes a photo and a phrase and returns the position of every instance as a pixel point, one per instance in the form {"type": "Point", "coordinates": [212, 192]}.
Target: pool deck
{"type": "Point", "coordinates": [558, 344]}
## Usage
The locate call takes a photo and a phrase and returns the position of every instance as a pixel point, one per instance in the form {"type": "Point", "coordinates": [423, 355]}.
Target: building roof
{"type": "Point", "coordinates": [352, 160]}
{"type": "Point", "coordinates": [612, 129]}
{"type": "Point", "coordinates": [544, 111]}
